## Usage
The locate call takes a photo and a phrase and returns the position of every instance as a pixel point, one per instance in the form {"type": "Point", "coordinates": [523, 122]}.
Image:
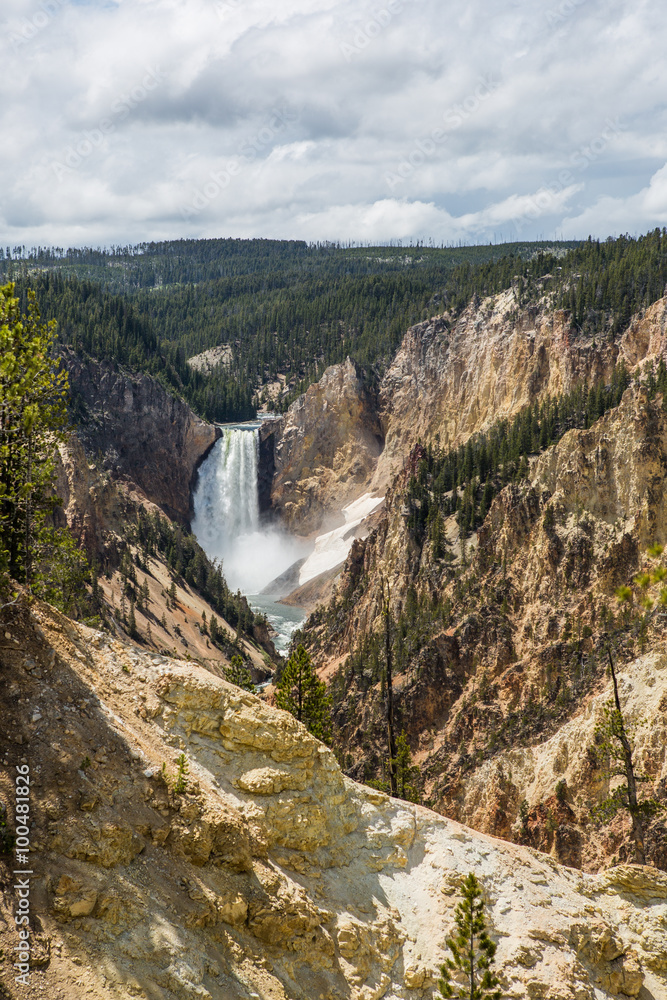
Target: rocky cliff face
{"type": "Point", "coordinates": [134, 453]}
{"type": "Point", "coordinates": [326, 450]}
{"type": "Point", "coordinates": [269, 874]}
{"type": "Point", "coordinates": [507, 646]}
{"type": "Point", "coordinates": [138, 432]}
{"type": "Point", "coordinates": [448, 380]}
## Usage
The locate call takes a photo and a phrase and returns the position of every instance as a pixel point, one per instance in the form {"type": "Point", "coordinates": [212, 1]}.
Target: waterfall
{"type": "Point", "coordinates": [227, 522]}
{"type": "Point", "coordinates": [225, 501]}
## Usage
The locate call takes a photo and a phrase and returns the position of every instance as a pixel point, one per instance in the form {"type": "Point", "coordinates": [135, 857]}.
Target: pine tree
{"type": "Point", "coordinates": [472, 950]}
{"type": "Point", "coordinates": [132, 621]}
{"type": "Point", "coordinates": [304, 695]}
{"type": "Point", "coordinates": [614, 748]}
{"type": "Point", "coordinates": [33, 415]}
{"type": "Point", "coordinates": [238, 673]}
{"type": "Point", "coordinates": [613, 743]}
{"type": "Point", "coordinates": [182, 769]}
{"type": "Point", "coordinates": [408, 774]}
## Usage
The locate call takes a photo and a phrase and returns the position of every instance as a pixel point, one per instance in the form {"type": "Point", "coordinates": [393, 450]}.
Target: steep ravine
{"type": "Point", "coordinates": [271, 875]}
{"type": "Point", "coordinates": [487, 691]}
{"type": "Point", "coordinates": [138, 432]}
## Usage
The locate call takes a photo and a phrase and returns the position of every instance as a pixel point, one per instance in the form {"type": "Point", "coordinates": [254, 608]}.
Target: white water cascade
{"type": "Point", "coordinates": [228, 527]}
{"type": "Point", "coordinates": [225, 501]}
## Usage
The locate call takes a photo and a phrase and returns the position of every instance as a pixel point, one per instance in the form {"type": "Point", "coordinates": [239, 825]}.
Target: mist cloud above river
{"type": "Point", "coordinates": [251, 561]}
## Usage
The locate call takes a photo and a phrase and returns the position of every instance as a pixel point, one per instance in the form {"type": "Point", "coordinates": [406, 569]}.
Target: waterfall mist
{"type": "Point", "coordinates": [227, 520]}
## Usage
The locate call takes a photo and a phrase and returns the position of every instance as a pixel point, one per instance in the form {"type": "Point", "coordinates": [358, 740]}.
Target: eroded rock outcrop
{"type": "Point", "coordinates": [326, 450]}
{"type": "Point", "coordinates": [449, 379]}
{"type": "Point", "coordinates": [269, 874]}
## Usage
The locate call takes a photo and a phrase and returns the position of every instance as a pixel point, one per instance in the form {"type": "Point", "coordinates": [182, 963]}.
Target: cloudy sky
{"type": "Point", "coordinates": [129, 120]}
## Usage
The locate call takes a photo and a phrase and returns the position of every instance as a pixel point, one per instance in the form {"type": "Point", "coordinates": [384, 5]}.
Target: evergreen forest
{"type": "Point", "coordinates": [288, 309]}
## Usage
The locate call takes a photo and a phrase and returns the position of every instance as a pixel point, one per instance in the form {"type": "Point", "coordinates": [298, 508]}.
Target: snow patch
{"type": "Point", "coordinates": [332, 547]}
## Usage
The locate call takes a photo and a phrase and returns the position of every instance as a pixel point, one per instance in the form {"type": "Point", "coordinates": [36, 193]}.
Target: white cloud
{"type": "Point", "coordinates": [633, 214]}
{"type": "Point", "coordinates": [317, 102]}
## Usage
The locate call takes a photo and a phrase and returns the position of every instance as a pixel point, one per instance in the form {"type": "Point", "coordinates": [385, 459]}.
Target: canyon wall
{"type": "Point", "coordinates": [506, 643]}
{"type": "Point", "coordinates": [135, 430]}
{"type": "Point", "coordinates": [326, 450]}
{"type": "Point", "coordinates": [448, 380]}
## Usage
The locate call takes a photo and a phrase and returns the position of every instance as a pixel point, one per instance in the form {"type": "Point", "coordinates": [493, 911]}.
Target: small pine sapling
{"type": "Point", "coordinates": [181, 783]}
{"type": "Point", "coordinates": [472, 950]}
{"type": "Point", "coordinates": [304, 695]}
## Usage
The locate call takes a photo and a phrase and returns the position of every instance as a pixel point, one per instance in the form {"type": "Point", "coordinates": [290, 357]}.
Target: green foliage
{"type": "Point", "coordinates": [611, 740]}
{"type": "Point", "coordinates": [238, 673]}
{"type": "Point", "coordinates": [33, 392]}
{"type": "Point", "coordinates": [304, 695]}
{"type": "Point", "coordinates": [132, 622]}
{"type": "Point", "coordinates": [282, 307]}
{"type": "Point", "coordinates": [603, 284]}
{"type": "Point", "coordinates": [62, 574]}
{"type": "Point", "coordinates": [32, 420]}
{"type": "Point", "coordinates": [182, 769]}
{"type": "Point", "coordinates": [613, 745]}
{"type": "Point", "coordinates": [415, 625]}
{"type": "Point", "coordinates": [408, 775]}
{"type": "Point", "coordinates": [153, 534]}
{"type": "Point", "coordinates": [472, 950]}
{"type": "Point", "coordinates": [95, 323]}
{"type": "Point", "coordinates": [289, 308]}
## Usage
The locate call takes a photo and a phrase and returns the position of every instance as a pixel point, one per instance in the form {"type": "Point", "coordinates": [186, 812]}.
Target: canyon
{"type": "Point", "coordinates": [274, 870]}
{"type": "Point", "coordinates": [506, 678]}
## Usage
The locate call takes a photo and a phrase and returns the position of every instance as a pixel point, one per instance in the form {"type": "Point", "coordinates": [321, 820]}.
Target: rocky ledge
{"type": "Point", "coordinates": [269, 874]}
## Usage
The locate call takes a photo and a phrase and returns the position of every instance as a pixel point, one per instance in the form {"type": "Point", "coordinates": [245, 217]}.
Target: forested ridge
{"type": "Point", "coordinates": [109, 326]}
{"type": "Point", "coordinates": [285, 307]}
{"type": "Point", "coordinates": [290, 309]}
